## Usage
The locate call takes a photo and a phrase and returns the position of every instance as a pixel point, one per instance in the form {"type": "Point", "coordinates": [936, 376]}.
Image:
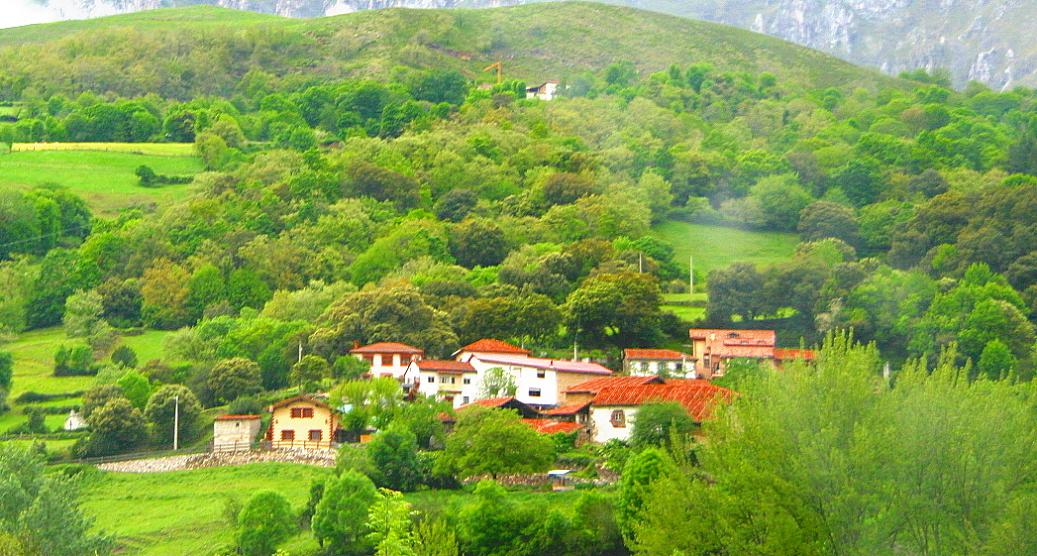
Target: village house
{"type": "Point", "coordinates": [235, 432]}
{"type": "Point", "coordinates": [613, 411]}
{"type": "Point", "coordinates": [545, 91]}
{"type": "Point", "coordinates": [302, 422]}
{"type": "Point", "coordinates": [388, 358]}
{"type": "Point", "coordinates": [539, 381]}
{"type": "Point", "coordinates": [456, 382]}
{"type": "Point", "coordinates": [489, 346]}
{"type": "Point", "coordinates": [661, 362]}
{"type": "Point", "coordinates": [584, 392]}
{"type": "Point", "coordinates": [712, 349]}
{"type": "Point", "coordinates": [74, 421]}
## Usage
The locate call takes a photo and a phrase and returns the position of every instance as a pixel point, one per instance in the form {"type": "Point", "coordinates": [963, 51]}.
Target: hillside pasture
{"type": "Point", "coordinates": [719, 246]}
{"type": "Point", "coordinates": [182, 512]}
{"type": "Point", "coordinates": [105, 179]}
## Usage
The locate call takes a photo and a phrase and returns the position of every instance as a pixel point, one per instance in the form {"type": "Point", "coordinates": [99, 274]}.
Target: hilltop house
{"type": "Point", "coordinates": [662, 362]}
{"type": "Point", "coordinates": [388, 358]}
{"type": "Point", "coordinates": [452, 381]}
{"type": "Point", "coordinates": [302, 422]}
{"type": "Point", "coordinates": [712, 349]}
{"type": "Point", "coordinates": [545, 91]}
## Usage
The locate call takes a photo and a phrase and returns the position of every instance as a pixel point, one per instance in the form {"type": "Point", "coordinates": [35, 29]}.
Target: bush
{"type": "Point", "coordinates": [245, 405]}
{"type": "Point", "coordinates": [74, 361]}
{"type": "Point", "coordinates": [265, 522]}
{"type": "Point", "coordinates": [394, 453]}
{"type": "Point", "coordinates": [125, 356]}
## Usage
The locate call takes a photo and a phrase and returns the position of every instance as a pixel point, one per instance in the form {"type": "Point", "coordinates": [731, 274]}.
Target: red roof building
{"type": "Point", "coordinates": [546, 426]}
{"type": "Point", "coordinates": [585, 391]}
{"type": "Point", "coordinates": [489, 345]}
{"type": "Point", "coordinates": [614, 409]}
{"type": "Point", "coordinates": [662, 362]}
{"type": "Point", "coordinates": [388, 358]}
{"type": "Point", "coordinates": [713, 348]}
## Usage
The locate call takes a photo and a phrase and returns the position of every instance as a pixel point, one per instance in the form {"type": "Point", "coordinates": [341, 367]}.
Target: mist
{"type": "Point", "coordinates": [16, 13]}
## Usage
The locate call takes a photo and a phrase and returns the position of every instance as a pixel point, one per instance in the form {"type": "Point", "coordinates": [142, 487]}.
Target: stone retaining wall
{"type": "Point", "coordinates": [321, 458]}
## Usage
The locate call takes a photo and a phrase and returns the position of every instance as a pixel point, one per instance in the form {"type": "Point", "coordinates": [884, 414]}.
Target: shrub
{"type": "Point", "coordinates": [125, 356]}
{"type": "Point", "coordinates": [265, 522]}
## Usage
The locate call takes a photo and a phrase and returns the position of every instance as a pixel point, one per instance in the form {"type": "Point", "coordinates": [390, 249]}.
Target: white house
{"type": "Point", "coordinates": [388, 358]}
{"type": "Point", "coordinates": [456, 382]}
{"type": "Point", "coordinates": [75, 421]}
{"type": "Point", "coordinates": [613, 411]}
{"type": "Point", "coordinates": [658, 362]}
{"type": "Point", "coordinates": [545, 91]}
{"type": "Point", "coordinates": [539, 381]}
{"type": "Point", "coordinates": [235, 432]}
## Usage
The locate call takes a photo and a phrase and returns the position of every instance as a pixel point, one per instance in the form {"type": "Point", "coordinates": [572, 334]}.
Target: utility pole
{"type": "Point", "coordinates": [691, 275]}
{"type": "Point", "coordinates": [640, 263]}
{"type": "Point", "coordinates": [576, 353]}
{"type": "Point", "coordinates": [300, 350]}
{"type": "Point", "coordinates": [176, 423]}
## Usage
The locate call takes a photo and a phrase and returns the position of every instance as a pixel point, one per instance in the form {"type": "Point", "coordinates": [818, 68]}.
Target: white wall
{"type": "Point", "coordinates": [439, 389]}
{"type": "Point", "coordinates": [601, 423]}
{"type": "Point", "coordinates": [525, 378]}
{"type": "Point", "coordinates": [381, 365]}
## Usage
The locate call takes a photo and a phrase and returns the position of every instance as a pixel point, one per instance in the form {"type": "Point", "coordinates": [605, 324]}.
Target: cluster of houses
{"type": "Point", "coordinates": [551, 395]}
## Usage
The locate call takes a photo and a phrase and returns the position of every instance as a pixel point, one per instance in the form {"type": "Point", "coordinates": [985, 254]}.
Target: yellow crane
{"type": "Point", "coordinates": [498, 67]}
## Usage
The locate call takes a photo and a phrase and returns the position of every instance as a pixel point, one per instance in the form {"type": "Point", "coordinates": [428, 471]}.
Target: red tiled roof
{"type": "Point", "coordinates": [697, 396]}
{"type": "Point", "coordinates": [736, 337]}
{"type": "Point", "coordinates": [567, 409]}
{"type": "Point", "coordinates": [791, 354]}
{"type": "Point", "coordinates": [491, 402]}
{"type": "Point", "coordinates": [597, 384]}
{"type": "Point", "coordinates": [654, 354]}
{"type": "Point", "coordinates": [237, 417]}
{"type": "Point", "coordinates": [559, 365]}
{"type": "Point", "coordinates": [545, 426]}
{"type": "Point", "coordinates": [489, 345]}
{"type": "Point", "coordinates": [388, 347]}
{"type": "Point", "coordinates": [445, 366]}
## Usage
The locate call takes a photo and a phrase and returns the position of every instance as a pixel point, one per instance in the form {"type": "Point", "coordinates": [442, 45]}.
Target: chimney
{"type": "Point", "coordinates": [356, 344]}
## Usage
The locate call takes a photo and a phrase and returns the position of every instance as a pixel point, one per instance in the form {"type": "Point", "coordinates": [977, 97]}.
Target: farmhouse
{"type": "Point", "coordinates": [712, 349]}
{"type": "Point", "coordinates": [544, 91]}
{"type": "Point", "coordinates": [452, 381]}
{"type": "Point", "coordinates": [302, 422]}
{"type": "Point", "coordinates": [613, 411]}
{"type": "Point", "coordinates": [539, 381]}
{"type": "Point", "coordinates": [662, 362]}
{"type": "Point", "coordinates": [388, 358]}
{"type": "Point", "coordinates": [235, 432]}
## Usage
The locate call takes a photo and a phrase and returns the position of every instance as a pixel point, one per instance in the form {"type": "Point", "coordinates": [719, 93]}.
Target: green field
{"type": "Point", "coordinates": [182, 512]}
{"type": "Point", "coordinates": [34, 369]}
{"type": "Point", "coordinates": [157, 149]}
{"type": "Point", "coordinates": [718, 246]}
{"type": "Point", "coordinates": [106, 180]}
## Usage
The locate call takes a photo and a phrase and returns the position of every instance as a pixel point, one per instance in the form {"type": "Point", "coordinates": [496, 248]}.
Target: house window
{"type": "Point", "coordinates": [316, 436]}
{"type": "Point", "coordinates": [287, 435]}
{"type": "Point", "coordinates": [431, 379]}
{"type": "Point", "coordinates": [618, 419]}
{"type": "Point", "coordinates": [534, 392]}
{"type": "Point", "coordinates": [467, 380]}
{"type": "Point", "coordinates": [465, 400]}
{"type": "Point", "coordinates": [302, 413]}
{"type": "Point", "coordinates": [541, 374]}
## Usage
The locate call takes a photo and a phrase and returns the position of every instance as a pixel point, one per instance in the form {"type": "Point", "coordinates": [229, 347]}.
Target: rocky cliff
{"type": "Point", "coordinates": [983, 40]}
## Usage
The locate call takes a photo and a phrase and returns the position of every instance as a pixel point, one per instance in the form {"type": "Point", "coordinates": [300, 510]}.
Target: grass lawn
{"type": "Point", "coordinates": [106, 180]}
{"type": "Point", "coordinates": [156, 149]}
{"type": "Point", "coordinates": [147, 346]}
{"type": "Point", "coordinates": [182, 512]}
{"type": "Point", "coordinates": [34, 364]}
{"type": "Point", "coordinates": [719, 246]}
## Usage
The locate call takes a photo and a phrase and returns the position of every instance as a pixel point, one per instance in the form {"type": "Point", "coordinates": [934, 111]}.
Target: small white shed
{"type": "Point", "coordinates": [75, 421]}
{"type": "Point", "coordinates": [235, 432]}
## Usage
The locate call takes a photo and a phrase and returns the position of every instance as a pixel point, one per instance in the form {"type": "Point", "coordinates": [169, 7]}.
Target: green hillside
{"type": "Point", "coordinates": [202, 50]}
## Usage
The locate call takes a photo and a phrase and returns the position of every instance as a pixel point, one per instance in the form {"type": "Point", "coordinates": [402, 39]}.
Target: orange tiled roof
{"type": "Point", "coordinates": [791, 354]}
{"type": "Point", "coordinates": [388, 347]}
{"type": "Point", "coordinates": [567, 409]}
{"type": "Point", "coordinates": [654, 354]}
{"type": "Point", "coordinates": [545, 426]}
{"type": "Point", "coordinates": [697, 396]}
{"type": "Point", "coordinates": [489, 345]}
{"type": "Point", "coordinates": [445, 366]}
{"type": "Point", "coordinates": [597, 384]}
{"type": "Point", "coordinates": [492, 402]}
{"type": "Point", "coordinates": [733, 337]}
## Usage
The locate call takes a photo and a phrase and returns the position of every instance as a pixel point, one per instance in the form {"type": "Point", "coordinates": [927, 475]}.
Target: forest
{"type": "Point", "coordinates": [423, 204]}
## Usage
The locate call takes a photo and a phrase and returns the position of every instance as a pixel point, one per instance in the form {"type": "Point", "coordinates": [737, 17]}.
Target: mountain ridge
{"type": "Point", "coordinates": [983, 40]}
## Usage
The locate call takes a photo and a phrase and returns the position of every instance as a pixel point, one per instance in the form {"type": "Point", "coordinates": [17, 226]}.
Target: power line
{"type": "Point", "coordinates": [44, 236]}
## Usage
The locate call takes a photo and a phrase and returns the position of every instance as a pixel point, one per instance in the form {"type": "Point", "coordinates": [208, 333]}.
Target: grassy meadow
{"type": "Point", "coordinates": [182, 512]}
{"type": "Point", "coordinates": [104, 177]}
{"type": "Point", "coordinates": [719, 246]}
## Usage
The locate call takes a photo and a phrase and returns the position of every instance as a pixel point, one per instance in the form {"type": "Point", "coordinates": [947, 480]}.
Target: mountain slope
{"type": "Point", "coordinates": [179, 53]}
{"type": "Point", "coordinates": [984, 40]}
